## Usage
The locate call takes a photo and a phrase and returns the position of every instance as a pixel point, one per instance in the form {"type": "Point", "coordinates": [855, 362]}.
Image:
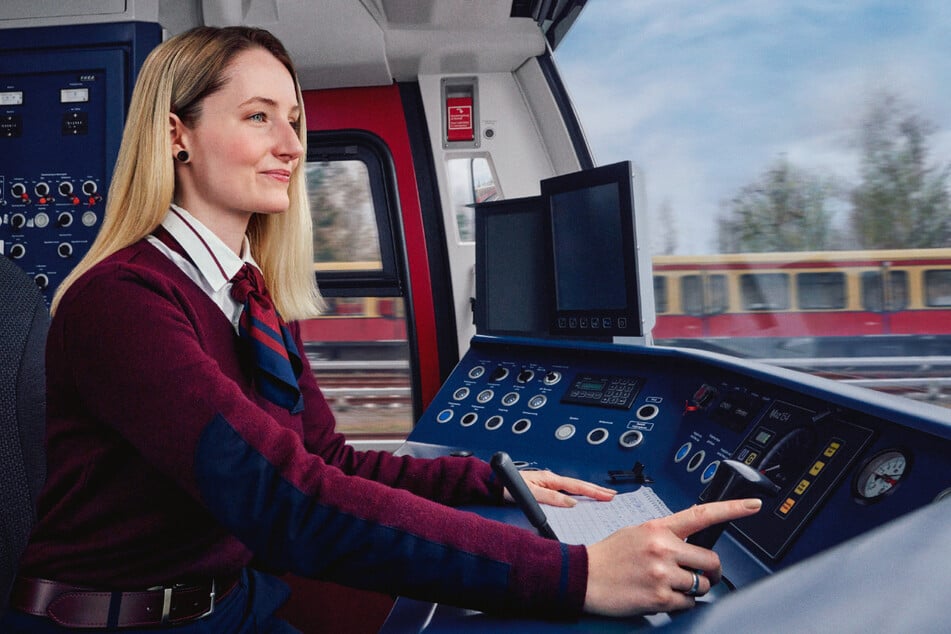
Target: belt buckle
{"type": "Point", "coordinates": [167, 603]}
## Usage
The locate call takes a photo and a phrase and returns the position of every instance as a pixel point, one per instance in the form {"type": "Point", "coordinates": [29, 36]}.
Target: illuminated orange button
{"type": "Point", "coordinates": [803, 485]}
{"type": "Point", "coordinates": [787, 506]}
{"type": "Point", "coordinates": [817, 467]}
{"type": "Point", "coordinates": [751, 457]}
{"type": "Point", "coordinates": [831, 449]}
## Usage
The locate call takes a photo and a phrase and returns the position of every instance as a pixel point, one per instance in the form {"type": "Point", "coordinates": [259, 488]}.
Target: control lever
{"type": "Point", "coordinates": [733, 480]}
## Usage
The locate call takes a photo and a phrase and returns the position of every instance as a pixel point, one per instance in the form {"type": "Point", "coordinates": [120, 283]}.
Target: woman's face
{"type": "Point", "coordinates": [244, 146]}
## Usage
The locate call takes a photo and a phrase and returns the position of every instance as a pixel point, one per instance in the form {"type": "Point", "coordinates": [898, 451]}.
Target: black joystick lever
{"type": "Point", "coordinates": [733, 480]}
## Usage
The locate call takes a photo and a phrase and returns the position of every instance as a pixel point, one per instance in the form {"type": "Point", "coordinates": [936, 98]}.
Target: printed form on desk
{"type": "Point", "coordinates": [590, 521]}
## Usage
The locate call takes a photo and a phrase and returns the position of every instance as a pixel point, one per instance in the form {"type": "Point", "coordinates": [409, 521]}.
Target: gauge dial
{"type": "Point", "coordinates": [881, 475]}
{"type": "Point", "coordinates": [790, 456]}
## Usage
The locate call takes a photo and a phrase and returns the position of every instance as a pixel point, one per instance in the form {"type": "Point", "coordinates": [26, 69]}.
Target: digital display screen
{"type": "Point", "coordinates": [593, 386]}
{"type": "Point", "coordinates": [588, 242]}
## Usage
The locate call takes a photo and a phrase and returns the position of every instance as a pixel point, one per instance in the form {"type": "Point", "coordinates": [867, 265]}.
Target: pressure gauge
{"type": "Point", "coordinates": [880, 475]}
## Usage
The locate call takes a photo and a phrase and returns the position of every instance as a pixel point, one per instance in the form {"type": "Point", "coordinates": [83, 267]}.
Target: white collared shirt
{"type": "Point", "coordinates": [214, 263]}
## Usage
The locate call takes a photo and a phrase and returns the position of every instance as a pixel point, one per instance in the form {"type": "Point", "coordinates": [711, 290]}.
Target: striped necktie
{"type": "Point", "coordinates": [277, 360]}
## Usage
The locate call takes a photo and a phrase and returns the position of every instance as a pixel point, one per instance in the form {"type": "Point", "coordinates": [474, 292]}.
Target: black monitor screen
{"type": "Point", "coordinates": [587, 234]}
{"type": "Point", "coordinates": [513, 268]}
{"type": "Point", "coordinates": [594, 252]}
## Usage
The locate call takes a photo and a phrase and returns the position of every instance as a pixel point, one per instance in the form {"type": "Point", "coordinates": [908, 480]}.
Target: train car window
{"type": "Point", "coordinates": [764, 291]}
{"type": "Point", "coordinates": [821, 291]}
{"type": "Point", "coordinates": [359, 347]}
{"type": "Point", "coordinates": [660, 293]}
{"type": "Point", "coordinates": [888, 291]}
{"type": "Point", "coordinates": [717, 297]}
{"type": "Point", "coordinates": [471, 180]}
{"type": "Point", "coordinates": [938, 287]}
{"type": "Point", "coordinates": [691, 294]}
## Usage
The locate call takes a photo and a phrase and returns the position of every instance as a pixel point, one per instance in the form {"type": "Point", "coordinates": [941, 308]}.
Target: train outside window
{"type": "Point", "coordinates": [358, 348]}
{"type": "Point", "coordinates": [821, 291]}
{"type": "Point", "coordinates": [884, 292]}
{"type": "Point", "coordinates": [660, 294]}
{"type": "Point", "coordinates": [764, 291]}
{"type": "Point", "coordinates": [938, 288]}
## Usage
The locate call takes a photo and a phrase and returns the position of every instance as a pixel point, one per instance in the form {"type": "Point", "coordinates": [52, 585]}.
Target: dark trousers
{"type": "Point", "coordinates": [248, 609]}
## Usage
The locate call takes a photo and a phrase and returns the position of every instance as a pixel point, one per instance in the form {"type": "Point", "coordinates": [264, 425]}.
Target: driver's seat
{"type": "Point", "coordinates": [24, 321]}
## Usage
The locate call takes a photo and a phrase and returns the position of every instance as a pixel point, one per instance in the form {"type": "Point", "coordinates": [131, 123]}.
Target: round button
{"type": "Point", "coordinates": [17, 221]}
{"type": "Point", "coordinates": [65, 188]}
{"type": "Point", "coordinates": [647, 412]}
{"type": "Point", "coordinates": [696, 460]}
{"type": "Point", "coordinates": [460, 394]}
{"type": "Point", "coordinates": [65, 219]}
{"type": "Point", "coordinates": [18, 189]}
{"type": "Point", "coordinates": [564, 432]}
{"type": "Point", "coordinates": [683, 452]}
{"type": "Point", "coordinates": [709, 472]}
{"type": "Point", "coordinates": [631, 438]}
{"type": "Point", "coordinates": [469, 419]}
{"type": "Point", "coordinates": [41, 220]}
{"type": "Point", "coordinates": [90, 187]}
{"type": "Point", "coordinates": [485, 396]}
{"type": "Point", "coordinates": [444, 416]}
{"type": "Point", "coordinates": [65, 249]}
{"type": "Point", "coordinates": [521, 426]}
{"type": "Point", "coordinates": [42, 189]}
{"type": "Point", "coordinates": [525, 376]}
{"type": "Point", "coordinates": [476, 372]}
{"type": "Point", "coordinates": [510, 399]}
{"type": "Point", "coordinates": [41, 281]}
{"type": "Point", "coordinates": [551, 378]}
{"type": "Point", "coordinates": [17, 251]}
{"type": "Point", "coordinates": [494, 422]}
{"type": "Point", "coordinates": [537, 401]}
{"type": "Point", "coordinates": [597, 435]}
{"type": "Point", "coordinates": [499, 374]}
{"type": "Point", "coordinates": [89, 218]}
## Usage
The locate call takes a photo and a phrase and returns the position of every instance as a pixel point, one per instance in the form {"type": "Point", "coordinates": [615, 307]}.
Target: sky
{"type": "Point", "coordinates": [703, 96]}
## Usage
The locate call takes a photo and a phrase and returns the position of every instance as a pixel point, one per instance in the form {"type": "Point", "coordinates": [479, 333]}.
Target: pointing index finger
{"type": "Point", "coordinates": [696, 518]}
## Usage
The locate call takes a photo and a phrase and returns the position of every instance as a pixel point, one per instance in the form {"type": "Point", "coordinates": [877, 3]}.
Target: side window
{"type": "Point", "coordinates": [821, 291]}
{"type": "Point", "coordinates": [359, 347]}
{"type": "Point", "coordinates": [880, 291]}
{"type": "Point", "coordinates": [660, 294]}
{"type": "Point", "coordinates": [717, 294]}
{"type": "Point", "coordinates": [471, 180]}
{"type": "Point", "coordinates": [764, 291]}
{"type": "Point", "coordinates": [691, 294]}
{"type": "Point", "coordinates": [938, 288]}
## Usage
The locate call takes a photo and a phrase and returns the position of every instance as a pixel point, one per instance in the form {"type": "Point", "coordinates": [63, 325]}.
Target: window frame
{"type": "Point", "coordinates": [391, 279]}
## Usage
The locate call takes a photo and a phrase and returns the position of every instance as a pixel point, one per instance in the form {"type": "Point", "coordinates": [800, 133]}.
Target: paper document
{"type": "Point", "coordinates": [590, 521]}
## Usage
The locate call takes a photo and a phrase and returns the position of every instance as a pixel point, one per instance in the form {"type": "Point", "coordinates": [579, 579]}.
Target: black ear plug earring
{"type": "Point", "coordinates": [182, 156]}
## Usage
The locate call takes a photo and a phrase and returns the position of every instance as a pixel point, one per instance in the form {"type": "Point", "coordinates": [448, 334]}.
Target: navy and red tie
{"type": "Point", "coordinates": [278, 363]}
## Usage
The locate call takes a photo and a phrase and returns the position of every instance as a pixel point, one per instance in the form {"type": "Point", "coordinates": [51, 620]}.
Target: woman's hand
{"type": "Point", "coordinates": [553, 489]}
{"type": "Point", "coordinates": [650, 568]}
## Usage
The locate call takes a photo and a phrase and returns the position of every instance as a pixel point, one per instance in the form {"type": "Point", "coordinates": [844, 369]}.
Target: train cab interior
{"type": "Point", "coordinates": [490, 287]}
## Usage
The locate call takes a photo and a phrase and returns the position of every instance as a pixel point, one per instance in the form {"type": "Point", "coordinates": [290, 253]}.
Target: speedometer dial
{"type": "Point", "coordinates": [881, 475]}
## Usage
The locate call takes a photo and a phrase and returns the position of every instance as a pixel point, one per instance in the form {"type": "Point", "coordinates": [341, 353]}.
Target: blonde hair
{"type": "Point", "coordinates": [175, 78]}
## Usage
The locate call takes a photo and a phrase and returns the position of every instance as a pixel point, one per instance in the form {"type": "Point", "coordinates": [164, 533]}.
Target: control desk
{"type": "Point", "coordinates": [847, 464]}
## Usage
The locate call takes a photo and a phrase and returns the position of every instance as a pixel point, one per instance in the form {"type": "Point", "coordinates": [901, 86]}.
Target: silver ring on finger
{"type": "Point", "coordinates": [695, 588]}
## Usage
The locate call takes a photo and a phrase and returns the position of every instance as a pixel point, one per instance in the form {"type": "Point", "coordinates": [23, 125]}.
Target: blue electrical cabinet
{"type": "Point", "coordinates": [64, 92]}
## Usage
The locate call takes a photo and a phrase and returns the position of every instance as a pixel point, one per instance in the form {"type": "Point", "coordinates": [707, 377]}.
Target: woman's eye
{"type": "Point", "coordinates": [295, 125]}
{"type": "Point", "coordinates": [258, 116]}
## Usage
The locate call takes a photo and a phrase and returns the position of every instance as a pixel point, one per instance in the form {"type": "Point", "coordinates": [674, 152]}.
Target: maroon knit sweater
{"type": "Point", "coordinates": [165, 464]}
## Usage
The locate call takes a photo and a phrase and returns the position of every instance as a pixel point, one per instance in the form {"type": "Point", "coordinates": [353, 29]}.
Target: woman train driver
{"type": "Point", "coordinates": [186, 434]}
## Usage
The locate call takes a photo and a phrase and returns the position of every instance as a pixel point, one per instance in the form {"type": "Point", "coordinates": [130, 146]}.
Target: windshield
{"type": "Point", "coordinates": [795, 163]}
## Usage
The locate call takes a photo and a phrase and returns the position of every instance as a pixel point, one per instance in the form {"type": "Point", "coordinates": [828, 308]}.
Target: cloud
{"type": "Point", "coordinates": [704, 96]}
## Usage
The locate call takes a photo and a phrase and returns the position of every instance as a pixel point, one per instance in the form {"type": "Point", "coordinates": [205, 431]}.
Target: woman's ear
{"type": "Point", "coordinates": [177, 134]}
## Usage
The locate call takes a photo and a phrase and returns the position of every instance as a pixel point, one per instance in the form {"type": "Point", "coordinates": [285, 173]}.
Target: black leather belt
{"type": "Point", "coordinates": [80, 607]}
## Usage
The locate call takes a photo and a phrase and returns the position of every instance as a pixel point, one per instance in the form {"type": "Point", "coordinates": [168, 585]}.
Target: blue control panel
{"type": "Point", "coordinates": [844, 460]}
{"type": "Point", "coordinates": [63, 95]}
